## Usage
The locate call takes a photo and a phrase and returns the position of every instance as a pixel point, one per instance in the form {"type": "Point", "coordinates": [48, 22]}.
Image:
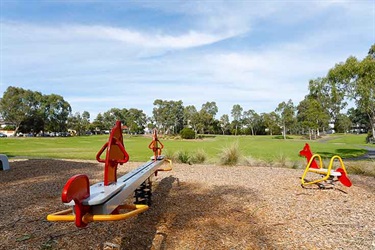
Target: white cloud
{"type": "Point", "coordinates": [98, 67]}
{"type": "Point", "coordinates": [29, 32]}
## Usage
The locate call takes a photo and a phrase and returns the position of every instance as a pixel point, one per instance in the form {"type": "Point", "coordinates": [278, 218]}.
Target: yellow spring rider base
{"type": "Point", "coordinates": [327, 174]}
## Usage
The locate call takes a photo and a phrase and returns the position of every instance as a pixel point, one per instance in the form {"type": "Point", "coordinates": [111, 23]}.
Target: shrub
{"type": "Point", "coordinates": [187, 133]}
{"type": "Point", "coordinates": [230, 155]}
{"type": "Point", "coordinates": [199, 156]}
{"type": "Point", "coordinates": [252, 162]}
{"type": "Point", "coordinates": [182, 157]}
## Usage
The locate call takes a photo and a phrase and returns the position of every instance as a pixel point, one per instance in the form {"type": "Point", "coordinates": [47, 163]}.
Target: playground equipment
{"type": "Point", "coordinates": [4, 163]}
{"type": "Point", "coordinates": [103, 201]}
{"type": "Point", "coordinates": [328, 175]}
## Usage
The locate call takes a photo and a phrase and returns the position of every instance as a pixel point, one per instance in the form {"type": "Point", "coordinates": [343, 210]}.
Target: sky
{"type": "Point", "coordinates": [100, 55]}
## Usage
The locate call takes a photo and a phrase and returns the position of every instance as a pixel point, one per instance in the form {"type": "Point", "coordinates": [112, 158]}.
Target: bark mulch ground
{"type": "Point", "coordinates": [194, 207]}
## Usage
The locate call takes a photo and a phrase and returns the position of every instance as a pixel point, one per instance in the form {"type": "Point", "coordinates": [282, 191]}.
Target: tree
{"type": "Point", "coordinates": [343, 123]}
{"type": "Point", "coordinates": [75, 123]}
{"type": "Point", "coordinates": [136, 120]}
{"type": "Point", "coordinates": [86, 121]}
{"type": "Point", "coordinates": [17, 105]}
{"type": "Point", "coordinates": [236, 114]}
{"type": "Point", "coordinates": [98, 123]}
{"type": "Point", "coordinates": [359, 77]}
{"type": "Point", "coordinates": [111, 116]}
{"type": "Point", "coordinates": [286, 114]}
{"type": "Point", "coordinates": [312, 115]}
{"type": "Point", "coordinates": [168, 115]}
{"type": "Point", "coordinates": [207, 117]}
{"type": "Point", "coordinates": [189, 112]}
{"type": "Point", "coordinates": [210, 108]}
{"type": "Point", "coordinates": [249, 118]}
{"type": "Point", "coordinates": [270, 121]}
{"type": "Point", "coordinates": [358, 119]}
{"type": "Point", "coordinates": [330, 93]}
{"type": "Point", "coordinates": [224, 123]}
{"type": "Point", "coordinates": [55, 111]}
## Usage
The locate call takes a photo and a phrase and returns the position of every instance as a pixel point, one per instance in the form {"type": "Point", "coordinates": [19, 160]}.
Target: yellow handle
{"type": "Point", "coordinates": [169, 168]}
{"type": "Point", "coordinates": [67, 215]}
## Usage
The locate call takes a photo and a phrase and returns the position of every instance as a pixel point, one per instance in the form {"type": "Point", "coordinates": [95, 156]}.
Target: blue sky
{"type": "Point", "coordinates": [125, 54]}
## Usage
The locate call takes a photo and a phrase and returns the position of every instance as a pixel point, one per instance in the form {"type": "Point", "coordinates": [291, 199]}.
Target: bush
{"type": "Point", "coordinates": [182, 157]}
{"type": "Point", "coordinates": [187, 133]}
{"type": "Point", "coordinates": [200, 156]}
{"type": "Point", "coordinates": [230, 155]}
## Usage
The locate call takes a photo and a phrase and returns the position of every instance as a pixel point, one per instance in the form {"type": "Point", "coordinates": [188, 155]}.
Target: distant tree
{"type": "Point", "coordinates": [191, 117]}
{"type": "Point", "coordinates": [17, 105]}
{"type": "Point", "coordinates": [270, 121]}
{"type": "Point", "coordinates": [136, 121]}
{"type": "Point", "coordinates": [330, 93]}
{"type": "Point", "coordinates": [210, 108]}
{"type": "Point", "coordinates": [207, 117]}
{"type": "Point", "coordinates": [286, 112]}
{"type": "Point", "coordinates": [75, 123]}
{"type": "Point", "coordinates": [312, 115]}
{"type": "Point", "coordinates": [342, 124]}
{"type": "Point", "coordinates": [224, 123]}
{"type": "Point", "coordinates": [56, 112]}
{"type": "Point", "coordinates": [358, 119]}
{"type": "Point", "coordinates": [250, 118]}
{"type": "Point", "coordinates": [98, 123]}
{"type": "Point", "coordinates": [86, 121]}
{"type": "Point", "coordinates": [236, 114]}
{"type": "Point", "coordinates": [168, 115]}
{"type": "Point", "coordinates": [111, 116]}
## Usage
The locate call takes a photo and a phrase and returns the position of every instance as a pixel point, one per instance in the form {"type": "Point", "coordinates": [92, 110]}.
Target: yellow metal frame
{"type": "Point", "coordinates": [67, 215]}
{"type": "Point", "coordinates": [325, 172]}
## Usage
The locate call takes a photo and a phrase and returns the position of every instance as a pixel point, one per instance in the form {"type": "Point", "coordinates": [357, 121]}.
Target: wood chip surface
{"type": "Point", "coordinates": [194, 207]}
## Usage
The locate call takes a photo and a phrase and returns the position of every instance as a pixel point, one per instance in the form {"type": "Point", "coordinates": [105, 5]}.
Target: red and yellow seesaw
{"type": "Point", "coordinates": [104, 201]}
{"type": "Point", "coordinates": [327, 175]}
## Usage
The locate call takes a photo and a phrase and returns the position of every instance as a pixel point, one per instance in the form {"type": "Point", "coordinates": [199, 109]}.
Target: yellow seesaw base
{"type": "Point", "coordinates": [326, 173]}
{"type": "Point", "coordinates": [67, 215]}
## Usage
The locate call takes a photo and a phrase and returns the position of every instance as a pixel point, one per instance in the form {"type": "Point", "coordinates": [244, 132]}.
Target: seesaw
{"type": "Point", "coordinates": [327, 174]}
{"type": "Point", "coordinates": [104, 201]}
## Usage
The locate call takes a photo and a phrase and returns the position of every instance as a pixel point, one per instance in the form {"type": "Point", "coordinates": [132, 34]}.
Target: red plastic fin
{"type": "Point", "coordinates": [116, 154]}
{"type": "Point", "coordinates": [344, 178]}
{"type": "Point", "coordinates": [306, 151]}
{"type": "Point", "coordinates": [77, 188]}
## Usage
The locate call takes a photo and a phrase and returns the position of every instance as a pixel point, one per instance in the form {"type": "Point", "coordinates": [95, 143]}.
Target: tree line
{"type": "Point", "coordinates": [352, 80]}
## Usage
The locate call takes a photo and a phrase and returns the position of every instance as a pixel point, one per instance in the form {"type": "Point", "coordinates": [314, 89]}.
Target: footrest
{"type": "Point", "coordinates": [67, 215]}
{"type": "Point", "coordinates": [324, 171]}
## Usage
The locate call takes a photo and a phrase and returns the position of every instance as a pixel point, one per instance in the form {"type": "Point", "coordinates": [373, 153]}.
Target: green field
{"type": "Point", "coordinates": [265, 148]}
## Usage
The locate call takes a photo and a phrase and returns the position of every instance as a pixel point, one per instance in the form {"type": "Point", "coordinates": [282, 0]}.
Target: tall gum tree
{"type": "Point", "coordinates": [359, 79]}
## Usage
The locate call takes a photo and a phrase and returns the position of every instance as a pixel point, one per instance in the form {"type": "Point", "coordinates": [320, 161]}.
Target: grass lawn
{"type": "Point", "coordinates": [259, 147]}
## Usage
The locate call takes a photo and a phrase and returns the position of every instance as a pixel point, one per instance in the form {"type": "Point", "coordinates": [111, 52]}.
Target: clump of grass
{"type": "Point", "coordinates": [230, 155]}
{"type": "Point", "coordinates": [182, 157]}
{"type": "Point", "coordinates": [199, 156]}
{"type": "Point", "coordinates": [296, 165]}
{"type": "Point", "coordinates": [356, 170]}
{"type": "Point", "coordinates": [361, 168]}
{"type": "Point", "coordinates": [169, 154]}
{"type": "Point", "coordinates": [282, 160]}
{"type": "Point", "coordinates": [252, 162]}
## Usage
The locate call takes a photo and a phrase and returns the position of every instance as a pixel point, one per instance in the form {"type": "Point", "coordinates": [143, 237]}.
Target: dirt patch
{"type": "Point", "coordinates": [194, 207]}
